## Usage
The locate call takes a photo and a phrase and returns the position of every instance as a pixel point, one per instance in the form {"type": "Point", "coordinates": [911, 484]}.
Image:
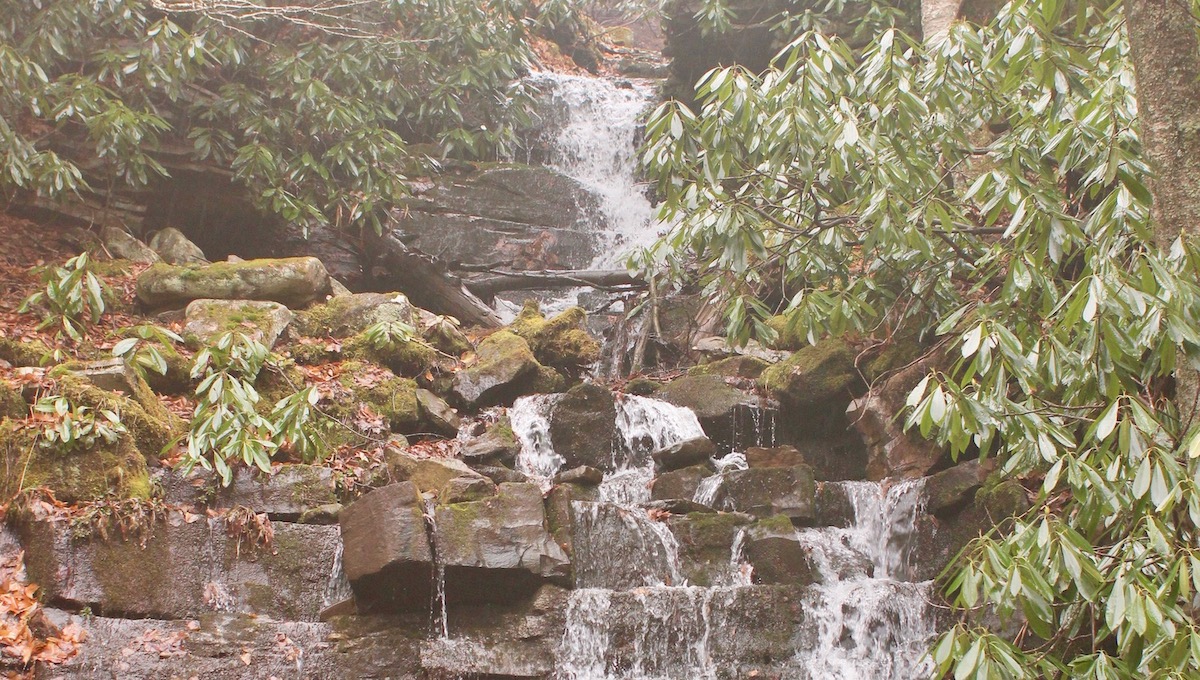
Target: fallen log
{"type": "Point", "coordinates": [425, 280]}
{"type": "Point", "coordinates": [602, 279]}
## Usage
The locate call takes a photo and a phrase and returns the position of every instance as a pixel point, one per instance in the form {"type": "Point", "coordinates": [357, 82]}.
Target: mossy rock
{"type": "Point", "coordinates": [394, 399]}
{"type": "Point", "coordinates": [732, 367]}
{"type": "Point", "coordinates": [561, 341]}
{"type": "Point", "coordinates": [504, 359]}
{"type": "Point", "coordinates": [277, 381]}
{"type": "Point", "coordinates": [900, 352]}
{"type": "Point", "coordinates": [787, 336]}
{"type": "Point", "coordinates": [1002, 497]}
{"type": "Point", "coordinates": [642, 387]}
{"type": "Point", "coordinates": [347, 315]}
{"type": "Point", "coordinates": [444, 334]}
{"type": "Point", "coordinates": [178, 378]}
{"type": "Point", "coordinates": [150, 424]}
{"type": "Point", "coordinates": [707, 395]}
{"type": "Point", "coordinates": [116, 470]}
{"type": "Point", "coordinates": [18, 353]}
{"type": "Point", "coordinates": [409, 358]}
{"type": "Point", "coordinates": [12, 404]}
{"type": "Point", "coordinates": [294, 282]}
{"type": "Point", "coordinates": [262, 321]}
{"type": "Point", "coordinates": [821, 374]}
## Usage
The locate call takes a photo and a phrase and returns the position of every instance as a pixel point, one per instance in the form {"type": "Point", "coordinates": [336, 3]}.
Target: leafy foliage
{"type": "Point", "coordinates": [227, 426]}
{"type": "Point", "coordinates": [142, 349]}
{"type": "Point", "coordinates": [387, 335]}
{"type": "Point", "coordinates": [68, 427]}
{"type": "Point", "coordinates": [319, 126]}
{"type": "Point", "coordinates": [72, 299]}
{"type": "Point", "coordinates": [989, 188]}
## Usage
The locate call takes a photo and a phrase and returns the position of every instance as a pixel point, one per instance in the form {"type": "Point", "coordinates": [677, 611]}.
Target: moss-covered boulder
{"type": "Point", "coordinates": [121, 244]}
{"type": "Point", "coordinates": [705, 540]}
{"type": "Point", "coordinates": [149, 422]}
{"type": "Point", "coordinates": [102, 470]}
{"type": "Point", "coordinates": [732, 367]}
{"type": "Point", "coordinates": [428, 474]}
{"type": "Point", "coordinates": [787, 335]}
{"type": "Point", "coordinates": [444, 333]}
{"type": "Point", "coordinates": [347, 315]}
{"type": "Point", "coordinates": [372, 393]}
{"type": "Point", "coordinates": [405, 357]}
{"type": "Point", "coordinates": [19, 352]}
{"type": "Point", "coordinates": [503, 359]}
{"type": "Point", "coordinates": [294, 282]}
{"type": "Point", "coordinates": [719, 406]}
{"type": "Point", "coordinates": [562, 341]}
{"type": "Point", "coordinates": [259, 320]}
{"type": "Point", "coordinates": [814, 386]}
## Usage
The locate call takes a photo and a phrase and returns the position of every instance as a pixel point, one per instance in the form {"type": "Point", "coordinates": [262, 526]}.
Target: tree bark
{"type": "Point", "coordinates": [1166, 61]}
{"type": "Point", "coordinates": [487, 286]}
{"type": "Point", "coordinates": [427, 283]}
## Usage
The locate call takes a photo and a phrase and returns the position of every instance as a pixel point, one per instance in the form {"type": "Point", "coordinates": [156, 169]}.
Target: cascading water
{"type": "Point", "coordinates": [870, 621]}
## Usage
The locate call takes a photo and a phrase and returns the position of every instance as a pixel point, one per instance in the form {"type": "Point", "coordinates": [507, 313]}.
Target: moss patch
{"type": "Point", "coordinates": [561, 341]}
{"type": "Point", "coordinates": [20, 353]}
{"type": "Point", "coordinates": [409, 358]}
{"type": "Point", "coordinates": [152, 426]}
{"type": "Point", "coordinates": [394, 399]}
{"type": "Point", "coordinates": [732, 367]}
{"type": "Point", "coordinates": [12, 404]}
{"type": "Point", "coordinates": [821, 373]}
{"type": "Point", "coordinates": [105, 470]}
{"type": "Point", "coordinates": [788, 336]}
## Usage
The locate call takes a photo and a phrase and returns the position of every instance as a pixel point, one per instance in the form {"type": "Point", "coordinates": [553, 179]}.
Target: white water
{"type": "Point", "coordinates": [871, 621]}
{"type": "Point", "coordinates": [595, 144]}
{"type": "Point", "coordinates": [530, 421]}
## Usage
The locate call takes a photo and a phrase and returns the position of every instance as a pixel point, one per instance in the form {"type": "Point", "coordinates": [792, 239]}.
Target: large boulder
{"type": "Point", "coordinates": [764, 492]}
{"type": "Point", "coordinates": [428, 474]}
{"type": "Point", "coordinates": [529, 217]}
{"type": "Point", "coordinates": [207, 320]}
{"type": "Point", "coordinates": [387, 553]}
{"type": "Point", "coordinates": [718, 406]}
{"type": "Point", "coordinates": [121, 245]}
{"type": "Point", "coordinates": [502, 361]}
{"type": "Point", "coordinates": [684, 454]}
{"type": "Point", "coordinates": [679, 484]}
{"type": "Point", "coordinates": [561, 342]}
{"type": "Point", "coordinates": [498, 548]}
{"type": "Point", "coordinates": [90, 473]}
{"type": "Point", "coordinates": [816, 383]}
{"type": "Point", "coordinates": [776, 554]}
{"type": "Point", "coordinates": [294, 282]}
{"type": "Point", "coordinates": [184, 567]}
{"type": "Point", "coordinates": [175, 248]}
{"type": "Point", "coordinates": [583, 427]}
{"type": "Point", "coordinates": [347, 315]}
{"type": "Point", "coordinates": [621, 548]}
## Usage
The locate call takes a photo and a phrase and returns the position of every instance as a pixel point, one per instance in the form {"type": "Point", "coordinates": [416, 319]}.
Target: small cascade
{"type": "Point", "coordinates": [871, 622]}
{"type": "Point", "coordinates": [621, 548]}
{"type": "Point", "coordinates": [753, 426]}
{"type": "Point", "coordinates": [644, 426]}
{"type": "Point", "coordinates": [439, 620]}
{"type": "Point", "coordinates": [706, 492]}
{"type": "Point", "coordinates": [596, 129]}
{"type": "Point", "coordinates": [530, 420]}
{"type": "Point", "coordinates": [337, 588]}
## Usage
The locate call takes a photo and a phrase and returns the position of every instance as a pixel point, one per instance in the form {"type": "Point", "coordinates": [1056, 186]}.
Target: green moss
{"type": "Point", "coordinates": [395, 399]}
{"type": "Point", "coordinates": [447, 338]}
{"type": "Point", "coordinates": [12, 404]}
{"type": "Point", "coordinates": [275, 382]}
{"type": "Point", "coordinates": [312, 353]}
{"type": "Point", "coordinates": [788, 335]}
{"type": "Point", "coordinates": [152, 426]}
{"type": "Point", "coordinates": [409, 358]}
{"type": "Point", "coordinates": [774, 525]}
{"type": "Point", "coordinates": [642, 387]}
{"type": "Point", "coordinates": [732, 367]}
{"type": "Point", "coordinates": [116, 470]}
{"type": "Point", "coordinates": [561, 341]}
{"type": "Point", "coordinates": [110, 267]}
{"type": "Point", "coordinates": [18, 353]}
{"type": "Point", "coordinates": [815, 374]}
{"type": "Point", "coordinates": [546, 380]}
{"type": "Point", "coordinates": [229, 316]}
{"type": "Point", "coordinates": [344, 316]}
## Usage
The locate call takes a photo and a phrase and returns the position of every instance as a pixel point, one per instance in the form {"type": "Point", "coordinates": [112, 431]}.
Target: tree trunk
{"type": "Point", "coordinates": [1166, 61]}
{"type": "Point", "coordinates": [427, 283]}
{"type": "Point", "coordinates": [487, 286]}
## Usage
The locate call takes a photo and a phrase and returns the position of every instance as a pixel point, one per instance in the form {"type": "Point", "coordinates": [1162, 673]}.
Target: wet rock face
{"type": "Point", "coordinates": [498, 548]}
{"type": "Point", "coordinates": [583, 427]}
{"type": "Point", "coordinates": [705, 545]}
{"type": "Point", "coordinates": [185, 570]}
{"type": "Point", "coordinates": [816, 384]}
{"type": "Point", "coordinates": [776, 554]}
{"type": "Point", "coordinates": [294, 282]}
{"type": "Point", "coordinates": [718, 406]}
{"type": "Point", "coordinates": [387, 554]}
{"type": "Point", "coordinates": [286, 495]}
{"type": "Point", "coordinates": [531, 217]}
{"type": "Point", "coordinates": [621, 548]}
{"type": "Point", "coordinates": [679, 483]}
{"type": "Point", "coordinates": [684, 454]}
{"type": "Point", "coordinates": [790, 492]}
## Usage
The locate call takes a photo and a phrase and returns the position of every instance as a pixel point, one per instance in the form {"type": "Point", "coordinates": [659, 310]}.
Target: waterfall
{"type": "Point", "coordinates": [597, 128]}
{"type": "Point", "coordinates": [871, 621]}
{"type": "Point", "coordinates": [530, 421]}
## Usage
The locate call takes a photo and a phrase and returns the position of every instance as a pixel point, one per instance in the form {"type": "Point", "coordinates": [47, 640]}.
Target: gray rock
{"type": "Point", "coordinates": [285, 495]}
{"type": "Point", "coordinates": [121, 245]}
{"type": "Point", "coordinates": [189, 566]}
{"type": "Point", "coordinates": [500, 474]}
{"type": "Point", "coordinates": [497, 444]}
{"type": "Point", "coordinates": [207, 320]}
{"type": "Point", "coordinates": [387, 554]}
{"type": "Point", "coordinates": [706, 543]}
{"type": "Point", "coordinates": [718, 406]}
{"type": "Point", "coordinates": [466, 489]}
{"type": "Point", "coordinates": [583, 427]}
{"type": "Point", "coordinates": [582, 475]}
{"type": "Point", "coordinates": [437, 413]}
{"type": "Point", "coordinates": [498, 547]}
{"type": "Point", "coordinates": [322, 514]}
{"type": "Point", "coordinates": [502, 360]}
{"type": "Point", "coordinates": [769, 491]}
{"type": "Point", "coordinates": [528, 217]}
{"type": "Point", "coordinates": [677, 506]}
{"type": "Point", "coordinates": [684, 454]}
{"type": "Point", "coordinates": [777, 456]}
{"type": "Point", "coordinates": [680, 483]}
{"type": "Point", "coordinates": [774, 551]}
{"type": "Point", "coordinates": [294, 282]}
{"type": "Point", "coordinates": [175, 248]}
{"type": "Point", "coordinates": [957, 485]}
{"type": "Point", "coordinates": [891, 451]}
{"type": "Point", "coordinates": [620, 548]}
{"type": "Point", "coordinates": [428, 474]}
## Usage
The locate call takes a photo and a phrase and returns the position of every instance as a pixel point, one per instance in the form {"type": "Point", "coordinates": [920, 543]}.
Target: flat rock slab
{"type": "Point", "coordinates": [185, 570]}
{"type": "Point", "coordinates": [788, 491]}
{"type": "Point", "coordinates": [237, 647]}
{"type": "Point", "coordinates": [294, 282]}
{"type": "Point", "coordinates": [207, 320]}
